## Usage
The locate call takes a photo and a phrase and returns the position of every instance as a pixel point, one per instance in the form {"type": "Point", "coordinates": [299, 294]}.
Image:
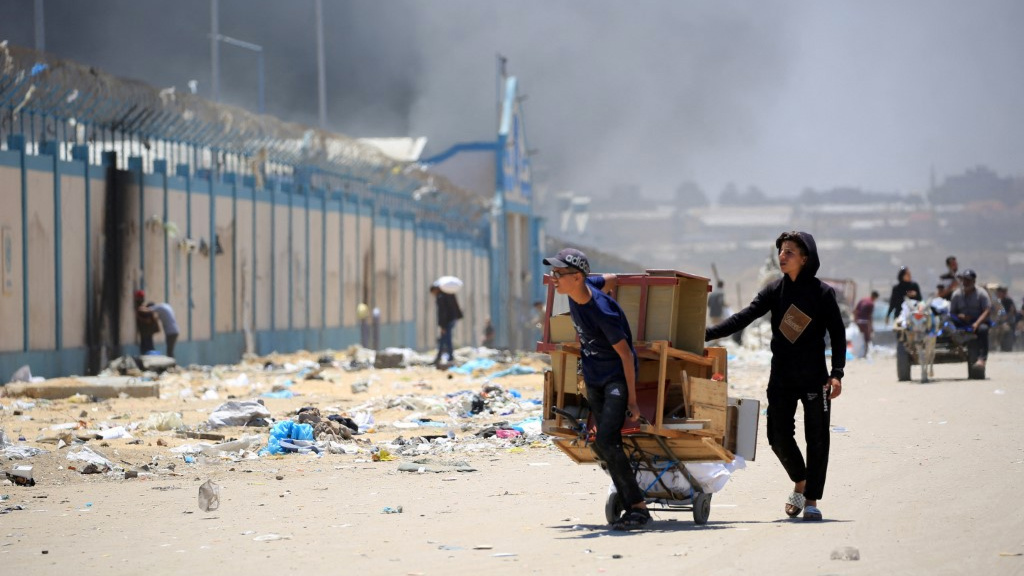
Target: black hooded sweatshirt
{"type": "Point", "coordinates": [802, 311]}
{"type": "Point", "coordinates": [899, 294]}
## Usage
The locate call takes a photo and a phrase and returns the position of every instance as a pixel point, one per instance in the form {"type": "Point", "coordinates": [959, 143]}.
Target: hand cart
{"type": "Point", "coordinates": [687, 417]}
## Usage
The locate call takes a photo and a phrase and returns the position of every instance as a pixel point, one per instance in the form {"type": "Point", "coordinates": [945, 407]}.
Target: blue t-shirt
{"type": "Point", "coordinates": [601, 323]}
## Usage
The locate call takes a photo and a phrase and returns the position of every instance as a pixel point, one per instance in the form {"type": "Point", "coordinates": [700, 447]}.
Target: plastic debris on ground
{"type": "Point", "coordinates": [240, 413]}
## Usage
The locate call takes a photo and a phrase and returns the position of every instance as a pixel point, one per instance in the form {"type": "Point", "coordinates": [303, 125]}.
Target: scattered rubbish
{"type": "Point", "coordinates": [196, 435]}
{"type": "Point", "coordinates": [114, 433]}
{"type": "Point", "coordinates": [21, 476]}
{"type": "Point", "coordinates": [839, 429]}
{"type": "Point", "coordinates": [999, 392]}
{"type": "Point", "coordinates": [846, 553]}
{"type": "Point", "coordinates": [209, 496]}
{"type": "Point", "coordinates": [240, 413]}
{"type": "Point", "coordinates": [89, 386]}
{"type": "Point", "coordinates": [435, 465]}
{"type": "Point", "coordinates": [85, 454]}
{"type": "Point", "coordinates": [272, 537]}
{"type": "Point", "coordinates": [282, 435]}
{"type": "Point", "coordinates": [7, 509]}
{"type": "Point", "coordinates": [245, 444]}
{"type": "Point", "coordinates": [24, 374]}
{"type": "Point", "coordinates": [390, 510]}
{"type": "Point", "coordinates": [473, 365]}
{"type": "Point", "coordinates": [280, 394]}
{"type": "Point", "coordinates": [483, 547]}
{"type": "Point", "coordinates": [14, 451]}
{"type": "Point", "coordinates": [513, 370]}
{"type": "Point", "coordinates": [389, 359]}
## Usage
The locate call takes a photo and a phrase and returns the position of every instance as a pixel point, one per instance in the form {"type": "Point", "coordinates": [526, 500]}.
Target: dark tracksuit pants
{"type": "Point", "coordinates": [782, 402]}
{"type": "Point", "coordinates": [608, 405]}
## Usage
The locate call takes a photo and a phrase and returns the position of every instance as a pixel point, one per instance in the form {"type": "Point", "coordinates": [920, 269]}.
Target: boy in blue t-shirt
{"type": "Point", "coordinates": [609, 366]}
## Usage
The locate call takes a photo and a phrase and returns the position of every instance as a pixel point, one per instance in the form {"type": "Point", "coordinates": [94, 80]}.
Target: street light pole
{"type": "Point", "coordinates": [40, 29]}
{"type": "Point", "coordinates": [321, 70]}
{"type": "Point", "coordinates": [215, 49]}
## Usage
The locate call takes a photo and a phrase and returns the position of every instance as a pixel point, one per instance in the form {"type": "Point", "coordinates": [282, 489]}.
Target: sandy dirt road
{"type": "Point", "coordinates": [924, 479]}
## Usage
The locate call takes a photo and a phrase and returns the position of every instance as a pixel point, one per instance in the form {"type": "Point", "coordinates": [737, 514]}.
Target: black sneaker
{"type": "Point", "coordinates": [633, 520]}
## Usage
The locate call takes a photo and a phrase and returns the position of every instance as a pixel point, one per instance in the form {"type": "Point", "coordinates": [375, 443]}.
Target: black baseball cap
{"type": "Point", "coordinates": [968, 274]}
{"type": "Point", "coordinates": [569, 258]}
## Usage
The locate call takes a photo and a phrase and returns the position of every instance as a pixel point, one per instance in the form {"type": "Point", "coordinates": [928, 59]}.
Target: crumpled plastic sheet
{"type": "Point", "coordinates": [89, 456]}
{"type": "Point", "coordinates": [242, 446]}
{"type": "Point", "coordinates": [17, 451]}
{"type": "Point", "coordinates": [238, 413]}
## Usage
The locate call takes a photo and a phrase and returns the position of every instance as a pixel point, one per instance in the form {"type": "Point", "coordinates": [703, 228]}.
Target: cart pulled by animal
{"type": "Point", "coordinates": [926, 335]}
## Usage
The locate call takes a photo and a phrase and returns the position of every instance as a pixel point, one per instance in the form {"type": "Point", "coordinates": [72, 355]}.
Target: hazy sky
{"type": "Point", "coordinates": [779, 94]}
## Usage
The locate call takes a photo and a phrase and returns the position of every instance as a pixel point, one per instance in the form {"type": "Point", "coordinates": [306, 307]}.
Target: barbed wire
{"type": "Point", "coordinates": [39, 84]}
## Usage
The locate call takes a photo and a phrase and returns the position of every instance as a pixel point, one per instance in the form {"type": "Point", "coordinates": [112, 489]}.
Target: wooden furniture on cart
{"type": "Point", "coordinates": [680, 384]}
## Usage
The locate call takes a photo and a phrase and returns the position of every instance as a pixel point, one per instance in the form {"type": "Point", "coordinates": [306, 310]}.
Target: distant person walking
{"type": "Point", "coordinates": [448, 313]}
{"type": "Point", "coordinates": [1006, 322]}
{"type": "Point", "coordinates": [488, 340]}
{"type": "Point", "coordinates": [948, 282]}
{"type": "Point", "coordinates": [803, 309]}
{"type": "Point", "coordinates": [169, 323]}
{"type": "Point", "coordinates": [146, 324]}
{"type": "Point", "coordinates": [863, 316]}
{"type": "Point", "coordinates": [716, 303]}
{"type": "Point", "coordinates": [905, 288]}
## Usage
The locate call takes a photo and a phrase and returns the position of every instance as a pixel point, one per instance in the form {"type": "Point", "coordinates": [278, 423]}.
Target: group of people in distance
{"type": "Point", "coordinates": [802, 310]}
{"type": "Point", "coordinates": [970, 306]}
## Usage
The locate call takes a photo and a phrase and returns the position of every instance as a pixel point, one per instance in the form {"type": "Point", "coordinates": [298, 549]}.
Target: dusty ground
{"type": "Point", "coordinates": [924, 479]}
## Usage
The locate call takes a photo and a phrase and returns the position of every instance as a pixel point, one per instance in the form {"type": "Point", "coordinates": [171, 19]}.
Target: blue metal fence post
{"type": "Point", "coordinates": [17, 142]}
{"type": "Point", "coordinates": [50, 149]}
{"type": "Point", "coordinates": [81, 153]}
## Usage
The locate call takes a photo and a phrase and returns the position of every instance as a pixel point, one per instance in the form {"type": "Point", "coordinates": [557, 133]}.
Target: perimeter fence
{"type": "Point", "coordinates": [264, 235]}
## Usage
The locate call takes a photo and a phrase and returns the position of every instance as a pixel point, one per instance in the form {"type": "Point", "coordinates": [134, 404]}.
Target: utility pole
{"type": "Point", "coordinates": [321, 70]}
{"type": "Point", "coordinates": [215, 49]}
{"type": "Point", "coordinates": [40, 29]}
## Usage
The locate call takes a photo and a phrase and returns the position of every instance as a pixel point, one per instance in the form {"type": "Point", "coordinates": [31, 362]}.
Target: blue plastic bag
{"type": "Point", "coordinates": [286, 430]}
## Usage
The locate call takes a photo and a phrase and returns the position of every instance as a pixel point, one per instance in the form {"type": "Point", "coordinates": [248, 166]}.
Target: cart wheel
{"type": "Point", "coordinates": [902, 362]}
{"type": "Point", "coordinates": [613, 508]}
{"type": "Point", "coordinates": [701, 508]}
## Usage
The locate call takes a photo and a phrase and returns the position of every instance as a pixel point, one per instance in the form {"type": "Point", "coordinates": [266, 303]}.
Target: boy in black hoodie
{"type": "Point", "coordinates": [802, 309]}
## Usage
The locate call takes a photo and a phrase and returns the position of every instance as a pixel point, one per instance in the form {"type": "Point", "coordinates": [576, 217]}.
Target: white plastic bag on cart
{"type": "Point", "coordinates": [712, 477]}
